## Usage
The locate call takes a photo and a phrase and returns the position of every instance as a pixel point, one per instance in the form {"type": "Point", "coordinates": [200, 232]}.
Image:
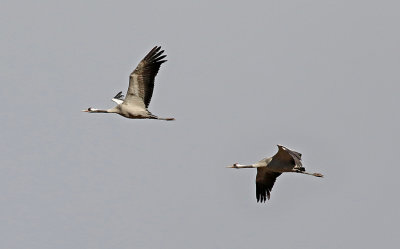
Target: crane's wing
{"type": "Point", "coordinates": [264, 182]}
{"type": "Point", "coordinates": [288, 156]}
{"type": "Point", "coordinates": [119, 98]}
{"type": "Point", "coordinates": [141, 80]}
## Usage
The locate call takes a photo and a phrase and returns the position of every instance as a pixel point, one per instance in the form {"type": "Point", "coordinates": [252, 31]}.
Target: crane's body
{"type": "Point", "coordinates": [140, 90]}
{"type": "Point", "coordinates": [268, 169]}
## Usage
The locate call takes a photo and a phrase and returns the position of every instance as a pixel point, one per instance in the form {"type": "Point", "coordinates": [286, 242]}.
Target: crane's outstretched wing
{"type": "Point", "coordinates": [141, 80]}
{"type": "Point", "coordinates": [264, 182]}
{"type": "Point", "coordinates": [288, 156]}
{"type": "Point", "coordinates": [119, 96]}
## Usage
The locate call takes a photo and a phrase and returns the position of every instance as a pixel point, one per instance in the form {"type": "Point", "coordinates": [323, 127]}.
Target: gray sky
{"type": "Point", "coordinates": [320, 77]}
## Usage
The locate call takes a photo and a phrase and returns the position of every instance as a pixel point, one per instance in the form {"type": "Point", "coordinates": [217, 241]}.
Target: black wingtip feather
{"type": "Point", "coordinates": [155, 56]}
{"type": "Point", "coordinates": [119, 95]}
{"type": "Point", "coordinates": [262, 193]}
{"type": "Point", "coordinates": [160, 58]}
{"type": "Point", "coordinates": [152, 53]}
{"type": "Point", "coordinates": [264, 183]}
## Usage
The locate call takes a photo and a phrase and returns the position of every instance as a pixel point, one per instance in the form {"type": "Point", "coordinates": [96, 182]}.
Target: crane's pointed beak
{"type": "Point", "coordinates": [85, 110]}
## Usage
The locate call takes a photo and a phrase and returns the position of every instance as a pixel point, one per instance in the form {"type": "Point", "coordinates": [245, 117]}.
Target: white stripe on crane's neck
{"type": "Point", "coordinates": [112, 110]}
{"type": "Point", "coordinates": [236, 165]}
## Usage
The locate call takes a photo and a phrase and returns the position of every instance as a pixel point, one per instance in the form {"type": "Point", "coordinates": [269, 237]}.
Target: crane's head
{"type": "Point", "coordinates": [90, 109]}
{"type": "Point", "coordinates": [235, 166]}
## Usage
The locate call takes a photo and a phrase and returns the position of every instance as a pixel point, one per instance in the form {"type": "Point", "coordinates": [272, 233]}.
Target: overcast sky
{"type": "Point", "coordinates": [320, 77]}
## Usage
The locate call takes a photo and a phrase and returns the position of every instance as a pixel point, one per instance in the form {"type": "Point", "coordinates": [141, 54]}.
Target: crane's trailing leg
{"type": "Point", "coordinates": [155, 117]}
{"type": "Point", "coordinates": [307, 173]}
{"type": "Point", "coordinates": [166, 119]}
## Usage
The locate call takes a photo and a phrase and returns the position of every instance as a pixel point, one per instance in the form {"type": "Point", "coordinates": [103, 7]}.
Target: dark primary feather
{"type": "Point", "coordinates": [119, 96]}
{"type": "Point", "coordinates": [264, 182]}
{"type": "Point", "coordinates": [141, 80]}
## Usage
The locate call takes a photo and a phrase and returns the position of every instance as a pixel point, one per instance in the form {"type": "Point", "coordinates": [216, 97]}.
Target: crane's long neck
{"type": "Point", "coordinates": [94, 110]}
{"type": "Point", "coordinates": [240, 166]}
{"type": "Point", "coordinates": [98, 111]}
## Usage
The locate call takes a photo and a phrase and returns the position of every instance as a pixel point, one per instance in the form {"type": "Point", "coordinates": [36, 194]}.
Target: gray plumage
{"type": "Point", "coordinates": [268, 169]}
{"type": "Point", "coordinates": [140, 90]}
